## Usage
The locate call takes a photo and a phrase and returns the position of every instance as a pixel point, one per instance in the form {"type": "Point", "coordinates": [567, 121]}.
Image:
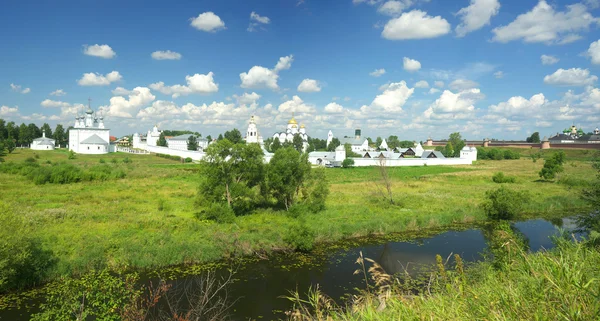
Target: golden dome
{"type": "Point", "coordinates": [302, 126]}
{"type": "Point", "coordinates": [293, 121]}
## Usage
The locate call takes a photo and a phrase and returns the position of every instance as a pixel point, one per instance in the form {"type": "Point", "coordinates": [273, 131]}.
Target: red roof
{"type": "Point", "coordinates": [113, 138]}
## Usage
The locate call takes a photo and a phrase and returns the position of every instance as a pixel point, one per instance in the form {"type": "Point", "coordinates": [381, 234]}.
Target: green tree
{"type": "Point", "coordinates": [553, 166]}
{"type": "Point", "coordinates": [349, 152]}
{"type": "Point", "coordinates": [34, 132]}
{"type": "Point", "coordinates": [192, 143]}
{"type": "Point", "coordinates": [503, 203]}
{"type": "Point", "coordinates": [275, 145]}
{"type": "Point", "coordinates": [59, 135]}
{"type": "Point", "coordinates": [220, 137]}
{"type": "Point", "coordinates": [3, 130]}
{"type": "Point", "coordinates": [9, 144]}
{"type": "Point", "coordinates": [46, 128]}
{"type": "Point", "coordinates": [378, 142]}
{"type": "Point", "coordinates": [448, 150]}
{"type": "Point", "coordinates": [24, 135]}
{"type": "Point", "coordinates": [347, 163]}
{"type": "Point", "coordinates": [406, 144]}
{"type": "Point", "coordinates": [230, 172]}
{"type": "Point", "coordinates": [234, 136]}
{"type": "Point", "coordinates": [298, 143]}
{"type": "Point", "coordinates": [209, 138]}
{"type": "Point", "coordinates": [333, 144]}
{"type": "Point", "coordinates": [12, 130]}
{"type": "Point", "coordinates": [457, 144]}
{"type": "Point", "coordinates": [534, 138]}
{"type": "Point", "coordinates": [286, 174]}
{"type": "Point", "coordinates": [393, 142]}
{"type": "Point", "coordinates": [162, 141]}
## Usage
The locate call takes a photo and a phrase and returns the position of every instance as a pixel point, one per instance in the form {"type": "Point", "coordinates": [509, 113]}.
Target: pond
{"type": "Point", "coordinates": [260, 284]}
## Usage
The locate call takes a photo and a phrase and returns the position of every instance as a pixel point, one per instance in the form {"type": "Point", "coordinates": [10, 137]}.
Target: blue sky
{"type": "Point", "coordinates": [411, 68]}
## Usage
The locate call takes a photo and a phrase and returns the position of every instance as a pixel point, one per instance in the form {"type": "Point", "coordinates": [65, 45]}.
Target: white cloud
{"type": "Point", "coordinates": [284, 63]}
{"type": "Point", "coordinates": [548, 60]}
{"type": "Point", "coordinates": [377, 72]}
{"type": "Point", "coordinates": [309, 86]}
{"type": "Point", "coordinates": [295, 105]}
{"type": "Point", "coordinates": [462, 84]}
{"type": "Point", "coordinates": [47, 103]}
{"type": "Point", "coordinates": [334, 108]}
{"type": "Point", "coordinates": [570, 77]}
{"type": "Point", "coordinates": [120, 91]}
{"type": "Point", "coordinates": [165, 55]}
{"type": "Point", "coordinates": [58, 92]}
{"type": "Point", "coordinates": [6, 111]}
{"type": "Point", "coordinates": [102, 51]}
{"type": "Point", "coordinates": [261, 77]}
{"type": "Point", "coordinates": [128, 107]}
{"type": "Point", "coordinates": [499, 74]}
{"type": "Point", "coordinates": [454, 106]}
{"type": "Point", "coordinates": [415, 24]}
{"type": "Point", "coordinates": [519, 106]}
{"type": "Point", "coordinates": [433, 91]}
{"type": "Point", "coordinates": [594, 52]}
{"type": "Point", "coordinates": [96, 79]}
{"type": "Point", "coordinates": [19, 89]}
{"type": "Point", "coordinates": [439, 84]}
{"type": "Point", "coordinates": [422, 84]}
{"type": "Point", "coordinates": [257, 21]}
{"type": "Point", "coordinates": [476, 15]}
{"type": "Point", "coordinates": [247, 99]}
{"type": "Point", "coordinates": [544, 24]}
{"type": "Point", "coordinates": [207, 21]}
{"type": "Point", "coordinates": [392, 99]}
{"type": "Point", "coordinates": [411, 65]}
{"type": "Point", "coordinates": [394, 7]}
{"type": "Point", "coordinates": [196, 84]}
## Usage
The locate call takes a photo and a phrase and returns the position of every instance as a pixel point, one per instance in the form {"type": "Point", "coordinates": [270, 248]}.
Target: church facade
{"type": "Point", "coordinates": [89, 136]}
{"type": "Point", "coordinates": [291, 131]}
{"type": "Point", "coordinates": [43, 143]}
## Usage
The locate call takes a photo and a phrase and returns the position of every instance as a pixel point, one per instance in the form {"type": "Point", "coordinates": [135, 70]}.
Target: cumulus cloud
{"type": "Point", "coordinates": [334, 108]}
{"type": "Point", "coordinates": [128, 107]}
{"type": "Point", "coordinates": [411, 65]}
{"type": "Point", "coordinates": [570, 77]}
{"type": "Point", "coordinates": [58, 92]}
{"type": "Point", "coordinates": [451, 105]}
{"type": "Point", "coordinates": [309, 86]}
{"type": "Point", "coordinates": [433, 91]}
{"type": "Point", "coordinates": [415, 24]}
{"type": "Point", "coordinates": [19, 89]}
{"type": "Point", "coordinates": [295, 105]}
{"type": "Point", "coordinates": [519, 106]}
{"type": "Point", "coordinates": [392, 99]}
{"type": "Point", "coordinates": [462, 84]}
{"type": "Point", "coordinates": [394, 7]}
{"type": "Point", "coordinates": [102, 51]}
{"type": "Point", "coordinates": [247, 99]}
{"type": "Point", "coordinates": [48, 103]}
{"type": "Point", "coordinates": [96, 79]}
{"type": "Point", "coordinates": [262, 77]}
{"type": "Point", "coordinates": [256, 21]}
{"type": "Point", "coordinates": [165, 55]}
{"type": "Point", "coordinates": [594, 52]}
{"type": "Point", "coordinates": [544, 24]}
{"type": "Point", "coordinates": [439, 84]}
{"type": "Point", "coordinates": [499, 74]}
{"type": "Point", "coordinates": [196, 84]}
{"type": "Point", "coordinates": [422, 84]}
{"type": "Point", "coordinates": [377, 72]}
{"type": "Point", "coordinates": [207, 21]}
{"type": "Point", "coordinates": [476, 15]}
{"type": "Point", "coordinates": [6, 111]}
{"type": "Point", "coordinates": [548, 60]}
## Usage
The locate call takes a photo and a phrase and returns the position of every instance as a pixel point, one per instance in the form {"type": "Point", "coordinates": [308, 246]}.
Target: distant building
{"type": "Point", "coordinates": [89, 136]}
{"type": "Point", "coordinates": [252, 134]}
{"type": "Point", "coordinates": [291, 131]}
{"type": "Point", "coordinates": [43, 143]}
{"type": "Point", "coordinates": [181, 142]}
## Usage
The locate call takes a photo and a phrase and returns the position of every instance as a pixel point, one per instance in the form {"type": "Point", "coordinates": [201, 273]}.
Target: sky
{"type": "Point", "coordinates": [411, 68]}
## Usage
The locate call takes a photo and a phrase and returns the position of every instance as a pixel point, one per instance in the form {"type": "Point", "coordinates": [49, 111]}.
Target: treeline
{"type": "Point", "coordinates": [22, 135]}
{"type": "Point", "coordinates": [496, 153]}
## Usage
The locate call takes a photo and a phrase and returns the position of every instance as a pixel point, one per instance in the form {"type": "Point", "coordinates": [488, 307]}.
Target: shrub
{"type": "Point", "coordinates": [220, 213]}
{"type": "Point", "coordinates": [23, 262]}
{"type": "Point", "coordinates": [188, 159]}
{"type": "Point", "coordinates": [126, 160]}
{"type": "Point", "coordinates": [347, 163]}
{"type": "Point", "coordinates": [114, 161]}
{"type": "Point", "coordinates": [553, 166]}
{"type": "Point", "coordinates": [503, 203]}
{"type": "Point", "coordinates": [500, 178]}
{"type": "Point", "coordinates": [102, 161]}
{"type": "Point", "coordinates": [299, 237]}
{"type": "Point", "coordinates": [72, 155]}
{"type": "Point", "coordinates": [30, 160]}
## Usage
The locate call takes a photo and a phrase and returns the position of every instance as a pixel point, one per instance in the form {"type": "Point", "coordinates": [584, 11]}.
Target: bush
{"type": "Point", "coordinates": [299, 237]}
{"type": "Point", "coordinates": [503, 203]}
{"type": "Point", "coordinates": [30, 160]}
{"type": "Point", "coordinates": [23, 262]}
{"type": "Point", "coordinates": [62, 173]}
{"type": "Point", "coordinates": [126, 160]}
{"type": "Point", "coordinates": [102, 161]}
{"type": "Point", "coordinates": [114, 161]}
{"type": "Point", "coordinates": [500, 178]}
{"type": "Point", "coordinates": [553, 166]}
{"type": "Point", "coordinates": [347, 163]}
{"type": "Point", "coordinates": [188, 159]}
{"type": "Point", "coordinates": [72, 155]}
{"type": "Point", "coordinates": [219, 213]}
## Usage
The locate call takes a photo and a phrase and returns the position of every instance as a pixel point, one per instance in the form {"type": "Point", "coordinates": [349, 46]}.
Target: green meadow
{"type": "Point", "coordinates": [146, 219]}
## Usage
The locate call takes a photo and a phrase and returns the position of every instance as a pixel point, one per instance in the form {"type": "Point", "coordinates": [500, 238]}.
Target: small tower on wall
{"type": "Point", "coordinates": [429, 142]}
{"type": "Point", "coordinates": [545, 143]}
{"type": "Point", "coordinates": [486, 142]}
{"type": "Point", "coordinates": [329, 137]}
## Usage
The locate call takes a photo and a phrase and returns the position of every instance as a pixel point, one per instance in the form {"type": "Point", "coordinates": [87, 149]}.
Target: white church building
{"type": "Point", "coordinates": [252, 134]}
{"type": "Point", "coordinates": [292, 130]}
{"type": "Point", "coordinates": [89, 136]}
{"type": "Point", "coordinates": [43, 143]}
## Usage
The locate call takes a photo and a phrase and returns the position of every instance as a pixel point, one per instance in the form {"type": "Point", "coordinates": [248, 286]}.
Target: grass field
{"type": "Point", "coordinates": [146, 220]}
